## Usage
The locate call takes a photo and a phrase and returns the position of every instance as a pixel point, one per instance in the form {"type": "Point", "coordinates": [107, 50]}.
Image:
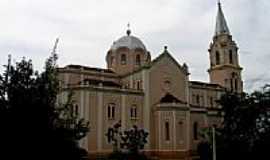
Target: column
{"type": "Point", "coordinates": [146, 107]}
{"type": "Point", "coordinates": [99, 121]}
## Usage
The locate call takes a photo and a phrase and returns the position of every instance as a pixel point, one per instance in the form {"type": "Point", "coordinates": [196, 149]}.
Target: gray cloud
{"type": "Point", "coordinates": [88, 28]}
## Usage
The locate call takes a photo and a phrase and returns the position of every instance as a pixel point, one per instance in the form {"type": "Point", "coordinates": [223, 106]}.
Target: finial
{"type": "Point", "coordinates": [165, 48]}
{"type": "Point", "coordinates": [128, 30]}
{"type": "Point", "coordinates": [219, 3]}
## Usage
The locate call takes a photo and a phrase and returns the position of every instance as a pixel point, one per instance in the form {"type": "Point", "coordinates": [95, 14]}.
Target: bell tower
{"type": "Point", "coordinates": [224, 60]}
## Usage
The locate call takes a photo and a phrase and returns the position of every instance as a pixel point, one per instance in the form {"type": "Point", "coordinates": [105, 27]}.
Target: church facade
{"type": "Point", "coordinates": [156, 95]}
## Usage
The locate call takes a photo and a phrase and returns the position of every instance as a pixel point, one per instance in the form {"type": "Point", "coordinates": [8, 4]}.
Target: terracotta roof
{"type": "Point", "coordinates": [96, 82]}
{"type": "Point", "coordinates": [89, 68]}
{"type": "Point", "coordinates": [205, 84]}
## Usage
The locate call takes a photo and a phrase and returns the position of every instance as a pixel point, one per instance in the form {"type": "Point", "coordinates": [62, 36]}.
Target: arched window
{"type": "Point", "coordinates": [133, 112]}
{"type": "Point", "coordinates": [138, 59]}
{"type": "Point", "coordinates": [138, 84]}
{"type": "Point", "coordinates": [231, 57]}
{"type": "Point", "coordinates": [231, 81]}
{"type": "Point", "coordinates": [111, 111]}
{"type": "Point", "coordinates": [236, 84]}
{"type": "Point", "coordinates": [76, 109]}
{"type": "Point", "coordinates": [167, 131]}
{"type": "Point", "coordinates": [217, 58]}
{"type": "Point", "coordinates": [195, 131]}
{"type": "Point", "coordinates": [123, 59]}
{"type": "Point", "coordinates": [201, 101]}
{"type": "Point", "coordinates": [198, 99]}
{"type": "Point", "coordinates": [211, 102]}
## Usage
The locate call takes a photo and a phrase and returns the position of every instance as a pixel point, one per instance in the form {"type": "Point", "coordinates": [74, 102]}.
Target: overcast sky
{"type": "Point", "coordinates": [87, 28]}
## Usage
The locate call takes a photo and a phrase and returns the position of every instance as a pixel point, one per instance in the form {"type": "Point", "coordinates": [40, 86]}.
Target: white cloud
{"type": "Point", "coordinates": [88, 28]}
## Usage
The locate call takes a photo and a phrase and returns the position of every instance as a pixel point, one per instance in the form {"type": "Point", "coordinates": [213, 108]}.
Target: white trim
{"type": "Point", "coordinates": [99, 121]}
{"type": "Point", "coordinates": [146, 107]}
{"type": "Point", "coordinates": [188, 146]}
{"type": "Point", "coordinates": [165, 150]}
{"type": "Point", "coordinates": [145, 150]}
{"type": "Point", "coordinates": [174, 130]}
{"type": "Point", "coordinates": [123, 112]}
{"type": "Point", "coordinates": [87, 117]}
{"type": "Point", "coordinates": [159, 130]}
{"type": "Point", "coordinates": [81, 109]}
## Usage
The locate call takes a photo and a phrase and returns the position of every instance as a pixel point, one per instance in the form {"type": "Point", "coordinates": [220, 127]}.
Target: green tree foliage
{"type": "Point", "coordinates": [127, 143]}
{"type": "Point", "coordinates": [32, 125]}
{"type": "Point", "coordinates": [245, 133]}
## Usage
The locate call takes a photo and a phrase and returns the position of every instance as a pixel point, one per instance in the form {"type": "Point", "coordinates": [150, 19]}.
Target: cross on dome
{"type": "Point", "coordinates": [128, 30]}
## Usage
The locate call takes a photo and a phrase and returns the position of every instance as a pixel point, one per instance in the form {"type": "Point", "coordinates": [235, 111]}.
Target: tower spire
{"type": "Point", "coordinates": [221, 24]}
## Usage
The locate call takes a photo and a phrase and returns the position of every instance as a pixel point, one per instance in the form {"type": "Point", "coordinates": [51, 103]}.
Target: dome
{"type": "Point", "coordinates": [128, 41]}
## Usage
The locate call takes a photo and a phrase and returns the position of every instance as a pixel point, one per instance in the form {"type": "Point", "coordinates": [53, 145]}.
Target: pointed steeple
{"type": "Point", "coordinates": [221, 24]}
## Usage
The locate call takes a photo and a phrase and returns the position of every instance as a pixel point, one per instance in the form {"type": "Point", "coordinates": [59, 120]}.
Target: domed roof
{"type": "Point", "coordinates": [128, 41]}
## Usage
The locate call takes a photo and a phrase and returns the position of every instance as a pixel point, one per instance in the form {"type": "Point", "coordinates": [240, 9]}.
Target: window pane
{"type": "Point", "coordinates": [135, 112]}
{"type": "Point", "coordinates": [167, 131]}
{"type": "Point", "coordinates": [195, 130]}
{"type": "Point", "coordinates": [113, 111]}
{"type": "Point", "coordinates": [123, 59]}
{"type": "Point", "coordinates": [109, 111]}
{"type": "Point", "coordinates": [138, 60]}
{"type": "Point", "coordinates": [131, 112]}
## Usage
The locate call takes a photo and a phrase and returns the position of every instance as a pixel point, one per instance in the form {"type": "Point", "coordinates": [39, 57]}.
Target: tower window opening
{"type": "Point", "coordinates": [167, 131]}
{"type": "Point", "coordinates": [138, 60]}
{"type": "Point", "coordinates": [231, 57]}
{"type": "Point", "coordinates": [217, 58]}
{"type": "Point", "coordinates": [123, 59]}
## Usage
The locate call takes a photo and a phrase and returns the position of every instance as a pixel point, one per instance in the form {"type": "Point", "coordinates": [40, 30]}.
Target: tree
{"type": "Point", "coordinates": [262, 127]}
{"type": "Point", "coordinates": [129, 141]}
{"type": "Point", "coordinates": [30, 119]}
{"type": "Point", "coordinates": [246, 127]}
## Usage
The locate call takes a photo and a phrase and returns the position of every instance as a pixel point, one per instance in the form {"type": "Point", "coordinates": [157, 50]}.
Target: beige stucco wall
{"type": "Point", "coordinates": [200, 119]}
{"type": "Point", "coordinates": [164, 70]}
{"type": "Point", "coordinates": [130, 64]}
{"type": "Point", "coordinates": [94, 101]}
{"type": "Point", "coordinates": [206, 95]}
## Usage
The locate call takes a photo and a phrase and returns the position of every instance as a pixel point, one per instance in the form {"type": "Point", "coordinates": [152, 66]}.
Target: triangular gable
{"type": "Point", "coordinates": [167, 54]}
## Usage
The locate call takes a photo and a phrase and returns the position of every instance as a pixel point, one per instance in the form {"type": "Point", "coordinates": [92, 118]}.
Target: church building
{"type": "Point", "coordinates": [154, 94]}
